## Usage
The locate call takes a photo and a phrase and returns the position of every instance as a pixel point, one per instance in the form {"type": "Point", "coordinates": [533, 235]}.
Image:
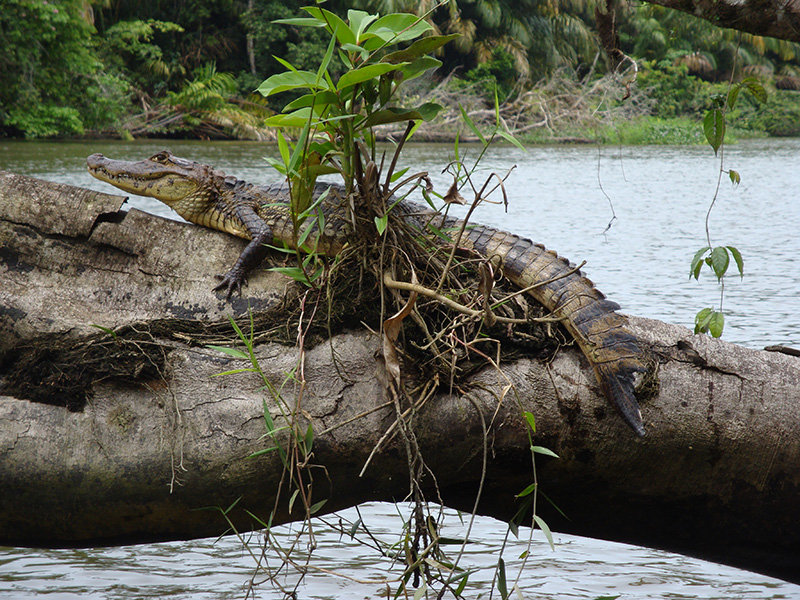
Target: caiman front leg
{"type": "Point", "coordinates": [251, 256]}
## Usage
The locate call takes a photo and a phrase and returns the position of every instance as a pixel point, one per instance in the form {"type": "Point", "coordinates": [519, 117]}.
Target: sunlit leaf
{"type": "Point", "coordinates": [363, 74]}
{"type": "Point", "coordinates": [419, 48]}
{"type": "Point", "coordinates": [531, 420]}
{"type": "Point", "coordinates": [288, 80]}
{"type": "Point", "coordinates": [230, 352]}
{"type": "Point", "coordinates": [735, 178]}
{"type": "Point", "coordinates": [546, 530]}
{"type": "Point", "coordinates": [543, 450]}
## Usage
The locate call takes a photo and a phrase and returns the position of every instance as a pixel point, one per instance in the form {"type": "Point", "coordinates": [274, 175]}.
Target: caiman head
{"type": "Point", "coordinates": [184, 185]}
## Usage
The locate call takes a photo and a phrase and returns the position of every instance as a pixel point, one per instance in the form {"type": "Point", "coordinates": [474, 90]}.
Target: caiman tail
{"type": "Point", "coordinates": [599, 331]}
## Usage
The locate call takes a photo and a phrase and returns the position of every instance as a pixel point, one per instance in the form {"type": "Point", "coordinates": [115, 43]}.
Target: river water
{"type": "Point", "coordinates": [656, 199]}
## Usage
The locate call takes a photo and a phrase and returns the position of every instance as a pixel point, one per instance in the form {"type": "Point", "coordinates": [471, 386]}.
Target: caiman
{"type": "Point", "coordinates": [208, 197]}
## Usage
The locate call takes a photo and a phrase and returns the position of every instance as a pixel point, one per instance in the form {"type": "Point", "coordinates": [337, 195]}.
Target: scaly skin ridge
{"type": "Point", "coordinates": [207, 197]}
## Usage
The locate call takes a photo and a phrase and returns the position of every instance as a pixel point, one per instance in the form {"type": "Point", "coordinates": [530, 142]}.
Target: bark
{"type": "Point", "coordinates": [717, 474]}
{"type": "Point", "coordinates": [772, 18]}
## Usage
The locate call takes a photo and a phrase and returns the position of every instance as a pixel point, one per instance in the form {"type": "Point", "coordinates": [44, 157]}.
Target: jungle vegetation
{"type": "Point", "coordinates": [189, 68]}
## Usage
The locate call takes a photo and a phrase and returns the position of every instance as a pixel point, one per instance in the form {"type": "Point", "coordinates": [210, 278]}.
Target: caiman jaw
{"type": "Point", "coordinates": [163, 176]}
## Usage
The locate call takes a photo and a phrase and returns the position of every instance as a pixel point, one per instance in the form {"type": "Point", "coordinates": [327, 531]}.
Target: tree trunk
{"type": "Point", "coordinates": [159, 437]}
{"type": "Point", "coordinates": [770, 18]}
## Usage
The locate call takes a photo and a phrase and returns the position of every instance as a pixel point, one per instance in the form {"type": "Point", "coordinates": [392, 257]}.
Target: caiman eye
{"type": "Point", "coordinates": [161, 157]}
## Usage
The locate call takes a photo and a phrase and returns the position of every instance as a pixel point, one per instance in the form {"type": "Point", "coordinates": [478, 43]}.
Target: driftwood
{"type": "Point", "coordinates": [717, 474]}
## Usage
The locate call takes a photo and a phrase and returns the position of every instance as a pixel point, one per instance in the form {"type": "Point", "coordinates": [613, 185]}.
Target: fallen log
{"type": "Point", "coordinates": [158, 437]}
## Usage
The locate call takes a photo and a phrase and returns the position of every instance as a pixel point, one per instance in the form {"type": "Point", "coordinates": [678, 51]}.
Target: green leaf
{"type": "Point", "coordinates": [292, 499]}
{"type": "Point", "coordinates": [546, 530]}
{"type": "Point", "coordinates": [333, 23]}
{"type": "Point", "coordinates": [364, 73]}
{"type": "Point", "coordinates": [732, 95]}
{"type": "Point", "coordinates": [308, 440]}
{"type": "Point", "coordinates": [230, 352]}
{"type": "Point", "coordinates": [381, 223]}
{"type": "Point", "coordinates": [527, 490]}
{"type": "Point", "coordinates": [109, 331]}
{"type": "Point", "coordinates": [314, 508]}
{"type": "Point", "coordinates": [419, 48]}
{"type": "Point", "coordinates": [297, 118]}
{"type": "Point", "coordinates": [702, 319]}
{"type": "Point", "coordinates": [531, 420]}
{"type": "Point", "coordinates": [697, 262]}
{"type": "Point", "coordinates": [302, 22]}
{"type": "Point", "coordinates": [543, 450]}
{"type": "Point", "coordinates": [735, 177]}
{"type": "Point", "coordinates": [510, 138]}
{"type": "Point", "coordinates": [393, 114]}
{"type": "Point", "coordinates": [719, 261]}
{"type": "Point", "coordinates": [737, 256]}
{"type": "Point", "coordinates": [359, 21]}
{"type": "Point", "coordinates": [319, 100]}
{"type": "Point", "coordinates": [756, 90]}
{"type": "Point", "coordinates": [501, 579]}
{"type": "Point", "coordinates": [419, 66]}
{"type": "Point", "coordinates": [716, 324]}
{"type": "Point", "coordinates": [465, 117]}
{"type": "Point", "coordinates": [283, 147]}
{"type": "Point", "coordinates": [714, 128]}
{"type": "Point", "coordinates": [289, 80]}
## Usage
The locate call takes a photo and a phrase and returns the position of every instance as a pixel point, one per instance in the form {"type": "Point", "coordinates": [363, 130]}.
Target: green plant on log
{"type": "Point", "coordinates": [718, 258]}
{"type": "Point", "coordinates": [328, 128]}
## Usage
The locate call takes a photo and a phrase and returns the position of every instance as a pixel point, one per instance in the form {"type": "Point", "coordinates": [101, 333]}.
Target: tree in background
{"type": "Point", "coordinates": [51, 80]}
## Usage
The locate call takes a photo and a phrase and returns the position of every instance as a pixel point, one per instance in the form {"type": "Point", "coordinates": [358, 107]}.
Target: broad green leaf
{"type": "Point", "coordinates": [333, 23]}
{"type": "Point", "coordinates": [314, 508]}
{"type": "Point", "coordinates": [543, 450]}
{"type": "Point", "coordinates": [426, 112]}
{"type": "Point", "coordinates": [702, 319]}
{"type": "Point", "coordinates": [546, 530]}
{"type": "Point", "coordinates": [230, 352]}
{"type": "Point", "coordinates": [297, 118]}
{"type": "Point", "coordinates": [714, 128]}
{"type": "Point", "coordinates": [716, 324]}
{"type": "Point", "coordinates": [756, 89]}
{"type": "Point", "coordinates": [399, 23]}
{"type": "Point", "coordinates": [359, 21]}
{"type": "Point", "coordinates": [419, 48]}
{"type": "Point", "coordinates": [289, 80]}
{"type": "Point", "coordinates": [719, 261]}
{"type": "Point", "coordinates": [318, 100]}
{"type": "Point", "coordinates": [364, 73]}
{"type": "Point", "coordinates": [697, 262]}
{"type": "Point", "coordinates": [419, 66]}
{"type": "Point", "coordinates": [735, 178]}
{"type": "Point", "coordinates": [737, 256]}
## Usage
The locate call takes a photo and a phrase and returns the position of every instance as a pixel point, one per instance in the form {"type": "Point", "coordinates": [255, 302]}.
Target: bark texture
{"type": "Point", "coordinates": [771, 18]}
{"type": "Point", "coordinates": [718, 474]}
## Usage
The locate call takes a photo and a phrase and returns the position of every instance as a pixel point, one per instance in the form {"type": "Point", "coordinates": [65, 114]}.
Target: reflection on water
{"type": "Point", "coordinates": [563, 197]}
{"type": "Point", "coordinates": [212, 569]}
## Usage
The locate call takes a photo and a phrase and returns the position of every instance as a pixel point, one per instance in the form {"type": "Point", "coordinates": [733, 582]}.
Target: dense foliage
{"type": "Point", "coordinates": [68, 67]}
